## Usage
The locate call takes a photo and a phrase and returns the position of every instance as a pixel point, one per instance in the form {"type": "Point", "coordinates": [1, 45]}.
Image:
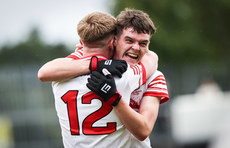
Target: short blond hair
{"type": "Point", "coordinates": [96, 27]}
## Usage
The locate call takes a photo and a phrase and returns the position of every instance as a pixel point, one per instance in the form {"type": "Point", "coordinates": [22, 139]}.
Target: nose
{"type": "Point", "coordinates": [136, 46]}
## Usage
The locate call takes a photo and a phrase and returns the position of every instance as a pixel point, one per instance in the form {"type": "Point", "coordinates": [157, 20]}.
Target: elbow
{"type": "Point", "coordinates": [143, 135]}
{"type": "Point", "coordinates": [42, 76]}
{"type": "Point", "coordinates": [155, 58]}
{"type": "Point", "coordinates": [154, 55]}
{"type": "Point", "coordinates": [156, 61]}
{"type": "Point", "coordinates": [142, 138]}
{"type": "Point", "coordinates": [144, 132]}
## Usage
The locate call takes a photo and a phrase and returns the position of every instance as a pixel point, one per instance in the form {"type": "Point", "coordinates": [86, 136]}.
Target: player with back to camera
{"type": "Point", "coordinates": [140, 123]}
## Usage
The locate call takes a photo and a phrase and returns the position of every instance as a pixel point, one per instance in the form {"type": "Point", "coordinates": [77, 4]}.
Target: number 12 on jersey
{"type": "Point", "coordinates": [70, 99]}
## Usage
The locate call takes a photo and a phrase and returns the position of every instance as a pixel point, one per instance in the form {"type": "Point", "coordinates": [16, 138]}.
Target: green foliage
{"type": "Point", "coordinates": [189, 32]}
{"type": "Point", "coordinates": [33, 50]}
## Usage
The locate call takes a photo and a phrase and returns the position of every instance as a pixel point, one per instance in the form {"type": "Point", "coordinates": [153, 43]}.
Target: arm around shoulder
{"type": "Point", "coordinates": [150, 61]}
{"type": "Point", "coordinates": [62, 68]}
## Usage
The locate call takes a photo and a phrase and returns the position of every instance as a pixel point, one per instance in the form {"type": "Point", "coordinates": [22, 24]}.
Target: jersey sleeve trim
{"type": "Point", "coordinates": [73, 57]}
{"type": "Point", "coordinates": [140, 70]}
{"type": "Point", "coordinates": [76, 55]}
{"type": "Point", "coordinates": [163, 96]}
{"type": "Point", "coordinates": [143, 72]}
{"type": "Point", "coordinates": [158, 88]}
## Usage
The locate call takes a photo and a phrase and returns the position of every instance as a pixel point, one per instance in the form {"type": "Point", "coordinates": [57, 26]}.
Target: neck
{"type": "Point", "coordinates": [94, 51]}
{"type": "Point", "coordinates": [104, 48]}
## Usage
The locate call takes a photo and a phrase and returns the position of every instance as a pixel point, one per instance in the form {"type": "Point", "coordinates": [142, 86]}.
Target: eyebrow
{"type": "Point", "coordinates": [128, 37]}
{"type": "Point", "coordinates": [145, 41]}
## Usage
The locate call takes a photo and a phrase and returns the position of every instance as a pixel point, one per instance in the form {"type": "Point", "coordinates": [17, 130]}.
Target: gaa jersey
{"type": "Point", "coordinates": [77, 54]}
{"type": "Point", "coordinates": [155, 87]}
{"type": "Point", "coordinates": [85, 119]}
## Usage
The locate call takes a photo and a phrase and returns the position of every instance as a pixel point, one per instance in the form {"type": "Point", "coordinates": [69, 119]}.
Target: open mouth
{"type": "Point", "coordinates": [132, 55]}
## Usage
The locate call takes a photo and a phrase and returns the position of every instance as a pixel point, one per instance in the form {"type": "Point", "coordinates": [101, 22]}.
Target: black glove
{"type": "Point", "coordinates": [104, 87]}
{"type": "Point", "coordinates": [115, 67]}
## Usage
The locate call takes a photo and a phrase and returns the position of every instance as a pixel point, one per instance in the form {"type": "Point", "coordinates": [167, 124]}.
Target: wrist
{"type": "Point", "coordinates": [114, 100]}
{"type": "Point", "coordinates": [93, 64]}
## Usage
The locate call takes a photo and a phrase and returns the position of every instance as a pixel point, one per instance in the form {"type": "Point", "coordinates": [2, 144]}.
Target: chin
{"type": "Point", "coordinates": [131, 62]}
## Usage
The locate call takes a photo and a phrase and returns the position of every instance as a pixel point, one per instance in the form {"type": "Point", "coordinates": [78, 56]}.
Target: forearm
{"type": "Point", "coordinates": [150, 61]}
{"type": "Point", "coordinates": [139, 124]}
{"type": "Point", "coordinates": [62, 68]}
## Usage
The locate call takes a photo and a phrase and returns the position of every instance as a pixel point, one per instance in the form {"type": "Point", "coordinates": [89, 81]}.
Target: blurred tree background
{"type": "Point", "coordinates": [191, 42]}
{"type": "Point", "coordinates": [191, 39]}
{"type": "Point", "coordinates": [31, 51]}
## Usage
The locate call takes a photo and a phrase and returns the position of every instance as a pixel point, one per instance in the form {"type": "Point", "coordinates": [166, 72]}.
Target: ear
{"type": "Point", "coordinates": [111, 43]}
{"type": "Point", "coordinates": [115, 41]}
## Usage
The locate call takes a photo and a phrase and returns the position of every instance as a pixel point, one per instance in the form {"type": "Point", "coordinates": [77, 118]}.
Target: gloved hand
{"type": "Point", "coordinates": [115, 67]}
{"type": "Point", "coordinates": [104, 87]}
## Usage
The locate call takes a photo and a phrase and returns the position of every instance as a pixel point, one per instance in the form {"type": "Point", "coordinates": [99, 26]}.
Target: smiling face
{"type": "Point", "coordinates": [131, 46]}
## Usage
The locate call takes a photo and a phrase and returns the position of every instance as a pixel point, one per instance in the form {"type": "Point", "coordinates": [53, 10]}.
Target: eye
{"type": "Point", "coordinates": [143, 44]}
{"type": "Point", "coordinates": [129, 40]}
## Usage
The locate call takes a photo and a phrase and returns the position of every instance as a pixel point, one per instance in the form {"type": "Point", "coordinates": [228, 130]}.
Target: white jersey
{"type": "Point", "coordinates": [87, 121]}
{"type": "Point", "coordinates": [156, 87]}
